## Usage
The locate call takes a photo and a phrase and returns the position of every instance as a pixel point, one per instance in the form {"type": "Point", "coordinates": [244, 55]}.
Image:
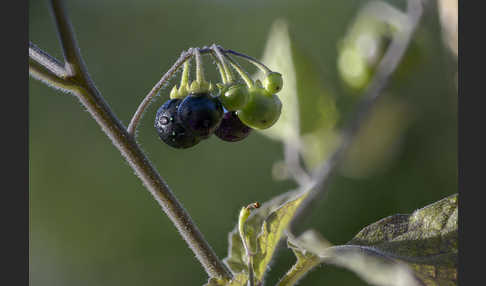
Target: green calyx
{"type": "Point", "coordinates": [183, 90]}
{"type": "Point", "coordinates": [201, 87]}
{"type": "Point", "coordinates": [180, 92]}
{"type": "Point", "coordinates": [262, 110]}
{"type": "Point", "coordinates": [194, 87]}
{"type": "Point", "coordinates": [273, 82]}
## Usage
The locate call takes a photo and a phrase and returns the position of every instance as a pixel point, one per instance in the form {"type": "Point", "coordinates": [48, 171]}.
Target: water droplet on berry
{"type": "Point", "coordinates": [163, 120]}
{"type": "Point", "coordinates": [170, 129]}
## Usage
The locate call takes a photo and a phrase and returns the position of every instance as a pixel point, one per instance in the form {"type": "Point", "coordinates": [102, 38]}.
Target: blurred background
{"type": "Point", "coordinates": [93, 223]}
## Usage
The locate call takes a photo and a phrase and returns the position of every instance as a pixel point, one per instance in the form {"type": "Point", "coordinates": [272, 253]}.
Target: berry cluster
{"type": "Point", "coordinates": [231, 110]}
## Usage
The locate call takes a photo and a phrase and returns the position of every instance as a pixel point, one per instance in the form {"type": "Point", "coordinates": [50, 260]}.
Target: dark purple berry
{"type": "Point", "coordinates": [231, 128]}
{"type": "Point", "coordinates": [201, 113]}
{"type": "Point", "coordinates": [170, 129]}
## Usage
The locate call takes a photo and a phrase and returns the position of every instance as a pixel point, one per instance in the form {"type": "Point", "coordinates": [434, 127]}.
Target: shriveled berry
{"type": "Point", "coordinates": [201, 113]}
{"type": "Point", "coordinates": [231, 128]}
{"type": "Point", "coordinates": [170, 129]}
{"type": "Point", "coordinates": [262, 110]}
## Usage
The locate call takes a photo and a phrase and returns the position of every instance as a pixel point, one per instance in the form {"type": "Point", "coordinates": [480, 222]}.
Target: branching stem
{"type": "Point", "coordinates": [84, 89]}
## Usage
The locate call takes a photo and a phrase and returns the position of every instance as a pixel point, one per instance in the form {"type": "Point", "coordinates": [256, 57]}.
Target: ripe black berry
{"type": "Point", "coordinates": [170, 129]}
{"type": "Point", "coordinates": [200, 113]}
{"type": "Point", "coordinates": [231, 128]}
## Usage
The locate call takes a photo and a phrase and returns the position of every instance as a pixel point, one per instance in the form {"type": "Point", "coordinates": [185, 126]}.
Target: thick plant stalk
{"type": "Point", "coordinates": [79, 83]}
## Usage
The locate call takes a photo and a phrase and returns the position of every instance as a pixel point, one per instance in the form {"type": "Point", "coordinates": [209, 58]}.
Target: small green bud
{"type": "Point", "coordinates": [273, 82]}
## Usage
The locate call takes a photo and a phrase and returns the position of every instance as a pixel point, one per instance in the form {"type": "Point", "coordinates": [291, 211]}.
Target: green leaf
{"type": "Point", "coordinates": [306, 260]}
{"type": "Point", "coordinates": [236, 259]}
{"type": "Point", "coordinates": [239, 279]}
{"type": "Point", "coordinates": [271, 232]}
{"type": "Point", "coordinates": [426, 240]}
{"type": "Point", "coordinates": [265, 228]}
{"type": "Point", "coordinates": [415, 249]}
{"type": "Point", "coordinates": [377, 143]}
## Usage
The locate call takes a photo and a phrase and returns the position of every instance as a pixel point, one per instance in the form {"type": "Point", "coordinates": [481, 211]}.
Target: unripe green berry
{"type": "Point", "coordinates": [273, 82]}
{"type": "Point", "coordinates": [235, 97]}
{"type": "Point", "coordinates": [262, 109]}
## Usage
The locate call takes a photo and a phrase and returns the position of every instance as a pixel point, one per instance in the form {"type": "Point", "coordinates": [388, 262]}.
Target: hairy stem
{"type": "Point", "coordinates": [74, 63]}
{"type": "Point", "coordinates": [221, 70]}
{"type": "Point", "coordinates": [92, 100]}
{"type": "Point", "coordinates": [294, 166]}
{"type": "Point", "coordinates": [241, 72]}
{"type": "Point", "coordinates": [199, 66]}
{"type": "Point", "coordinates": [45, 74]}
{"type": "Point", "coordinates": [385, 69]}
{"type": "Point", "coordinates": [43, 59]}
{"type": "Point", "coordinates": [148, 98]}
{"type": "Point", "coordinates": [252, 60]}
{"type": "Point", "coordinates": [219, 55]}
{"type": "Point", "coordinates": [298, 271]}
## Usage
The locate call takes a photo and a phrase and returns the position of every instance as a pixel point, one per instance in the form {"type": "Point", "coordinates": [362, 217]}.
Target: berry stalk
{"type": "Point", "coordinates": [249, 82]}
{"type": "Point", "coordinates": [221, 58]}
{"type": "Point", "coordinates": [251, 60]}
{"type": "Point", "coordinates": [221, 70]}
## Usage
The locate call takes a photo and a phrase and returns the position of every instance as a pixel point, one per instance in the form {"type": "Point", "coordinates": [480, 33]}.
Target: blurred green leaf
{"type": "Point", "coordinates": [308, 107]}
{"type": "Point", "coordinates": [378, 141]}
{"type": "Point", "coordinates": [278, 57]}
{"type": "Point", "coordinates": [366, 41]}
{"type": "Point", "coordinates": [398, 249]}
